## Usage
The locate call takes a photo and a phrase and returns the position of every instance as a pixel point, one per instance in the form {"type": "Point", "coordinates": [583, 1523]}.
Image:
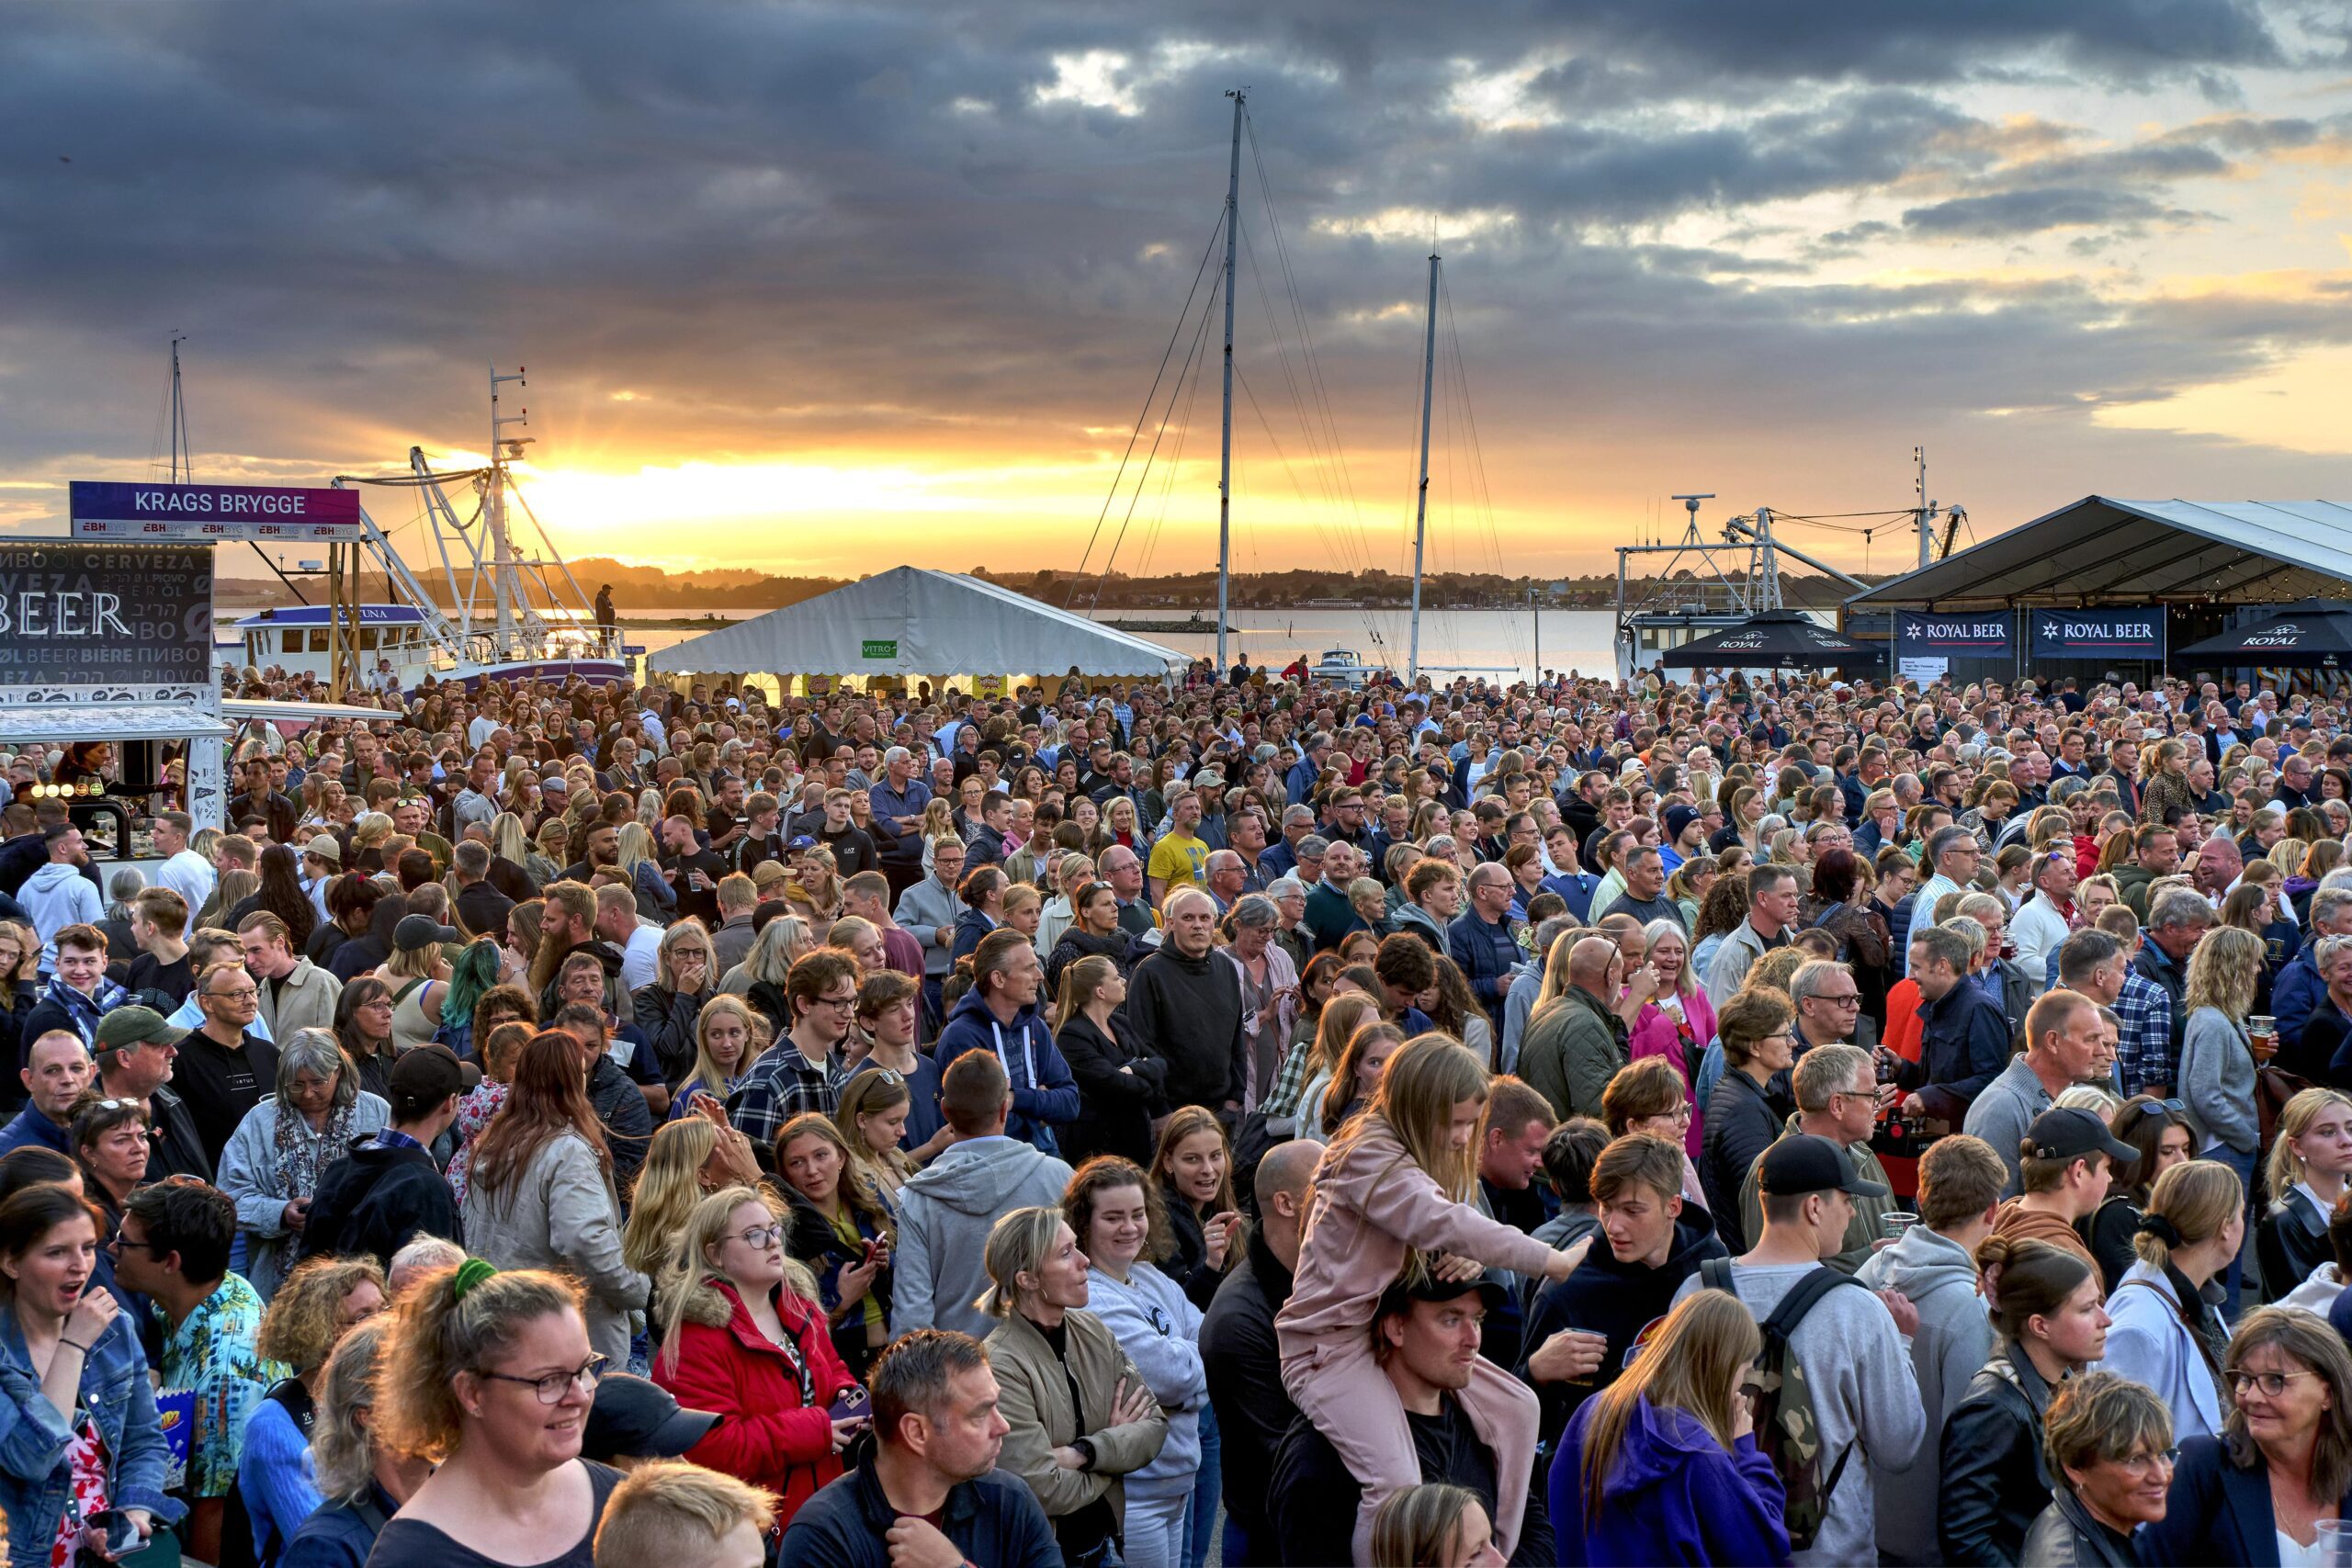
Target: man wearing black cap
{"type": "Point", "coordinates": [2068, 1154]}
{"type": "Point", "coordinates": [1425, 1337]}
{"type": "Point", "coordinates": [633, 1420]}
{"type": "Point", "coordinates": [1848, 1343]}
{"type": "Point", "coordinates": [387, 1191]}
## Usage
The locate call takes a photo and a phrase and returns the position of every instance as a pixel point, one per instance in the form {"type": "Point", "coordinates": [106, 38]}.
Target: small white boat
{"type": "Point", "coordinates": [1344, 665]}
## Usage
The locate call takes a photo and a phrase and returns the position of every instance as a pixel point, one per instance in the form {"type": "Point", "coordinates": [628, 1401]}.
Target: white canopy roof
{"type": "Point", "coordinates": [108, 721]}
{"type": "Point", "coordinates": [907, 621]}
{"type": "Point", "coordinates": [2124, 552]}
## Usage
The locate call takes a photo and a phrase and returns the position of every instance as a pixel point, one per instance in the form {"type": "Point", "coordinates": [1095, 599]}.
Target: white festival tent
{"type": "Point", "coordinates": [911, 622]}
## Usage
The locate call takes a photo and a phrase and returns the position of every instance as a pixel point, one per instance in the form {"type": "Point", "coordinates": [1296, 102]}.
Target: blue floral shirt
{"type": "Point", "coordinates": [211, 1357]}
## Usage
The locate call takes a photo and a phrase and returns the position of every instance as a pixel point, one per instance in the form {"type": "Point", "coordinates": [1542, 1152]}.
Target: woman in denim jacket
{"type": "Point", "coordinates": [78, 1430]}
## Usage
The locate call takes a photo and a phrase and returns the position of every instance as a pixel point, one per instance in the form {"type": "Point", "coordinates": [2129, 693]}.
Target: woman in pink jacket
{"type": "Point", "coordinates": [1677, 1021]}
{"type": "Point", "coordinates": [1393, 1192]}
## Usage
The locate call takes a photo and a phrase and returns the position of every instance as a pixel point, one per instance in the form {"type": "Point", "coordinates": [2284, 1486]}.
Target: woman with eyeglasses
{"type": "Point", "coordinates": [743, 1335]}
{"type": "Point", "coordinates": [540, 1190]}
{"type": "Point", "coordinates": [669, 1011]}
{"type": "Point", "coordinates": [274, 1159]}
{"type": "Point", "coordinates": [1743, 1115]}
{"type": "Point", "coordinates": [73, 1388]}
{"type": "Point", "coordinates": [2159, 1129]}
{"type": "Point", "coordinates": [2255, 1493]}
{"type": "Point", "coordinates": [1649, 1097]}
{"type": "Point", "coordinates": [1093, 933]}
{"type": "Point", "coordinates": [489, 1377]}
{"type": "Point", "coordinates": [2109, 1440]}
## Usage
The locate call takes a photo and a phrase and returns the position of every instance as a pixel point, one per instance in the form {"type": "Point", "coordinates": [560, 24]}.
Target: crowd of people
{"type": "Point", "coordinates": [1242, 1117]}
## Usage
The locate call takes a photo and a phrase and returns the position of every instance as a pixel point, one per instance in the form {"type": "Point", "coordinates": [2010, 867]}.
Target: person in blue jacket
{"type": "Point", "coordinates": [78, 1426]}
{"type": "Point", "coordinates": [1001, 1015]}
{"type": "Point", "coordinates": [1662, 1466]}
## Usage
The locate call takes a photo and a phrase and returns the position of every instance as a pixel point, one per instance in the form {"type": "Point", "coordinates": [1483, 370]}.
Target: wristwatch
{"type": "Point", "coordinates": [1085, 1447]}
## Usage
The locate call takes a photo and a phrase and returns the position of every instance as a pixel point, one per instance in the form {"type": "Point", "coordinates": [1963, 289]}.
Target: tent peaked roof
{"type": "Point", "coordinates": [910, 621]}
{"type": "Point", "coordinates": [2141, 551]}
{"type": "Point", "coordinates": [1768, 640]}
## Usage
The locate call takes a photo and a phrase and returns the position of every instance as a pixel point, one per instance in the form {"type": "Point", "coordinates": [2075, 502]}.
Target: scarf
{"type": "Point", "coordinates": [296, 1151]}
{"type": "Point", "coordinates": [84, 1011]}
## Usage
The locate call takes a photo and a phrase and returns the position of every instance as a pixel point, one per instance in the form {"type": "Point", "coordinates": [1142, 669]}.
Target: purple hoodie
{"type": "Point", "coordinates": [1673, 1496]}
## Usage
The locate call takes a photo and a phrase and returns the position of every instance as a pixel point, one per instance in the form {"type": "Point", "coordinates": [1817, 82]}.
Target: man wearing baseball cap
{"type": "Point", "coordinates": [1849, 1343]}
{"type": "Point", "coordinates": [1425, 1336]}
{"type": "Point", "coordinates": [633, 1420]}
{"type": "Point", "coordinates": [387, 1191]}
{"type": "Point", "coordinates": [2065, 1156]}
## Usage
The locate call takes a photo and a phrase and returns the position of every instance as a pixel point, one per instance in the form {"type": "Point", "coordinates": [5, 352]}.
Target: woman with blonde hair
{"type": "Point", "coordinates": [315, 1306]}
{"type": "Point", "coordinates": [685, 1162]}
{"type": "Point", "coordinates": [767, 969]}
{"type": "Point", "coordinates": [2161, 1331]}
{"type": "Point", "coordinates": [1309, 1062]}
{"type": "Point", "coordinates": [1058, 1367]}
{"type": "Point", "coordinates": [843, 1230]}
{"type": "Point", "coordinates": [638, 860]}
{"type": "Point", "coordinates": [815, 893]}
{"type": "Point", "coordinates": [2217, 1065]}
{"type": "Point", "coordinates": [1397, 1180]}
{"type": "Point", "coordinates": [361, 1483]}
{"type": "Point", "coordinates": [1662, 1466]}
{"type": "Point", "coordinates": [489, 1377]}
{"type": "Point", "coordinates": [1353, 1080]}
{"type": "Point", "coordinates": [723, 1054]}
{"type": "Point", "coordinates": [1434, 1526]}
{"type": "Point", "coordinates": [2310, 1157]}
{"type": "Point", "coordinates": [872, 1117]}
{"type": "Point", "coordinates": [669, 1009]}
{"type": "Point", "coordinates": [740, 1336]}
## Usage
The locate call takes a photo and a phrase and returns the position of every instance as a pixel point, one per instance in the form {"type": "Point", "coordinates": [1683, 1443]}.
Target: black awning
{"type": "Point", "coordinates": [1769, 641]}
{"type": "Point", "coordinates": [2315, 634]}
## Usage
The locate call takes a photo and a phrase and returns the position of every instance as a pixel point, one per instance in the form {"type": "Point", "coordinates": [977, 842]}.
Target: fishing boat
{"type": "Point", "coordinates": [490, 613]}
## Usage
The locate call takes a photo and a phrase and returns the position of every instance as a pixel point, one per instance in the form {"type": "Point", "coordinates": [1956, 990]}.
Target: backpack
{"type": "Point", "coordinates": [1786, 1430]}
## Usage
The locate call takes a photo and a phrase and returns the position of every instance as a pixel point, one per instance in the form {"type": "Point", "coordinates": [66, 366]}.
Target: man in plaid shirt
{"type": "Point", "coordinates": [2094, 962]}
{"type": "Point", "coordinates": [803, 1071]}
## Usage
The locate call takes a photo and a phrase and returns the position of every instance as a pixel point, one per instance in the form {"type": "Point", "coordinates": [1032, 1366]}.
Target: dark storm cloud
{"type": "Point", "coordinates": [778, 224]}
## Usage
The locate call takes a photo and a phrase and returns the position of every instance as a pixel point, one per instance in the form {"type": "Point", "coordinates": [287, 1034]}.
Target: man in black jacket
{"type": "Point", "coordinates": [136, 1049]}
{"type": "Point", "coordinates": [1245, 1372]}
{"type": "Point", "coordinates": [1427, 1340]}
{"type": "Point", "coordinates": [930, 1492]}
{"type": "Point", "coordinates": [1184, 1007]}
{"type": "Point", "coordinates": [387, 1191]}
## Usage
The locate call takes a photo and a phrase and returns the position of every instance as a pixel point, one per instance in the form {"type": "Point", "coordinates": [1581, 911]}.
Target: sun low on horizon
{"type": "Point", "coordinates": [821, 289]}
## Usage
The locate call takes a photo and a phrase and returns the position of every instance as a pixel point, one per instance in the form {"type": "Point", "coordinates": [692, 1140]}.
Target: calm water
{"type": "Point", "coordinates": [1469, 642]}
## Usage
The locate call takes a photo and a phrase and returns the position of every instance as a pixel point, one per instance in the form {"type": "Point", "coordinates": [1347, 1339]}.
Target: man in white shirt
{"type": "Point", "coordinates": [2044, 921]}
{"type": "Point", "coordinates": [183, 871]}
{"type": "Point", "coordinates": [639, 943]}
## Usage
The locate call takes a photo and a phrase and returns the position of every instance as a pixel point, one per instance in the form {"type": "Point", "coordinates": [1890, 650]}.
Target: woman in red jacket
{"type": "Point", "coordinates": [744, 1337]}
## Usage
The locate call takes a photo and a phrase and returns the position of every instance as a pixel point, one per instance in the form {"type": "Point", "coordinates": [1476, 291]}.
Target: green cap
{"type": "Point", "coordinates": [136, 1026]}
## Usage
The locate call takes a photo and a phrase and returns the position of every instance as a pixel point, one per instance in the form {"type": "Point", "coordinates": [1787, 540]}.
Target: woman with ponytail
{"type": "Point", "coordinates": [490, 1377]}
{"type": "Point", "coordinates": [2161, 1332]}
{"type": "Point", "coordinates": [1118, 1086]}
{"type": "Point", "coordinates": [2045, 1305]}
{"type": "Point", "coordinates": [1662, 1466]}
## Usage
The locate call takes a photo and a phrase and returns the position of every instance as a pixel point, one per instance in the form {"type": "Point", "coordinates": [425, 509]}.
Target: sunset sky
{"type": "Point", "coordinates": [830, 288]}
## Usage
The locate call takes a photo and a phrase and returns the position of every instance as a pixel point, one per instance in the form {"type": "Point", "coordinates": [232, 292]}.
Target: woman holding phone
{"type": "Point", "coordinates": [84, 1439]}
{"type": "Point", "coordinates": [841, 1229]}
{"type": "Point", "coordinates": [743, 1335]}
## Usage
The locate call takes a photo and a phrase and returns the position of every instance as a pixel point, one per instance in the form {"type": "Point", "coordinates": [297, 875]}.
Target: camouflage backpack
{"type": "Point", "coordinates": [1785, 1429]}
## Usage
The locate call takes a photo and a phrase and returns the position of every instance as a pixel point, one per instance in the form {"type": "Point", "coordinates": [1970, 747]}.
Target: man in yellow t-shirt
{"type": "Point", "coordinates": [1181, 858]}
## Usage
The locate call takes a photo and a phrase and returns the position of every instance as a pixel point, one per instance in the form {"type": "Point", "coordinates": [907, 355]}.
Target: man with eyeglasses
{"type": "Point", "coordinates": [224, 1067]}
{"type": "Point", "coordinates": [1952, 854]}
{"type": "Point", "coordinates": [55, 1073]}
{"type": "Point", "coordinates": [1827, 1002]}
{"type": "Point", "coordinates": [173, 1247]}
{"type": "Point", "coordinates": [2044, 921]}
{"type": "Point", "coordinates": [803, 1070]}
{"type": "Point", "coordinates": [1839, 1098]}
{"type": "Point", "coordinates": [137, 1049]}
{"type": "Point", "coordinates": [929, 910]}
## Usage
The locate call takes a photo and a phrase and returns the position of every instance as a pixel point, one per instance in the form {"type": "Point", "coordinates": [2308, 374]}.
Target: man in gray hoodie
{"type": "Point", "coordinates": [946, 1209]}
{"type": "Point", "coordinates": [1934, 1267]}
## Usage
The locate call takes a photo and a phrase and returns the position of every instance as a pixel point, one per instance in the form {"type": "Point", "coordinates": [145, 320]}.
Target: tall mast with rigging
{"type": "Point", "coordinates": [1421, 492]}
{"type": "Point", "coordinates": [1224, 458]}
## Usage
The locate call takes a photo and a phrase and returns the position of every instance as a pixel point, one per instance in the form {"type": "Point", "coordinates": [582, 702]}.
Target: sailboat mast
{"type": "Point", "coordinates": [1224, 459]}
{"type": "Point", "coordinates": [503, 578]}
{"type": "Point", "coordinates": [182, 453]}
{"type": "Point", "coordinates": [1421, 492]}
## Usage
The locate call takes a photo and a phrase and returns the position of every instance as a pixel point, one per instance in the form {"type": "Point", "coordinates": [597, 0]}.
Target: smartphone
{"type": "Point", "coordinates": [854, 1405]}
{"type": "Point", "coordinates": [872, 1247]}
{"type": "Point", "coordinates": [120, 1533]}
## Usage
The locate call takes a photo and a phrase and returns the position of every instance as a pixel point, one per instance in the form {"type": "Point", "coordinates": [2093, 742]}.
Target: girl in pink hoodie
{"type": "Point", "coordinates": [1390, 1195]}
